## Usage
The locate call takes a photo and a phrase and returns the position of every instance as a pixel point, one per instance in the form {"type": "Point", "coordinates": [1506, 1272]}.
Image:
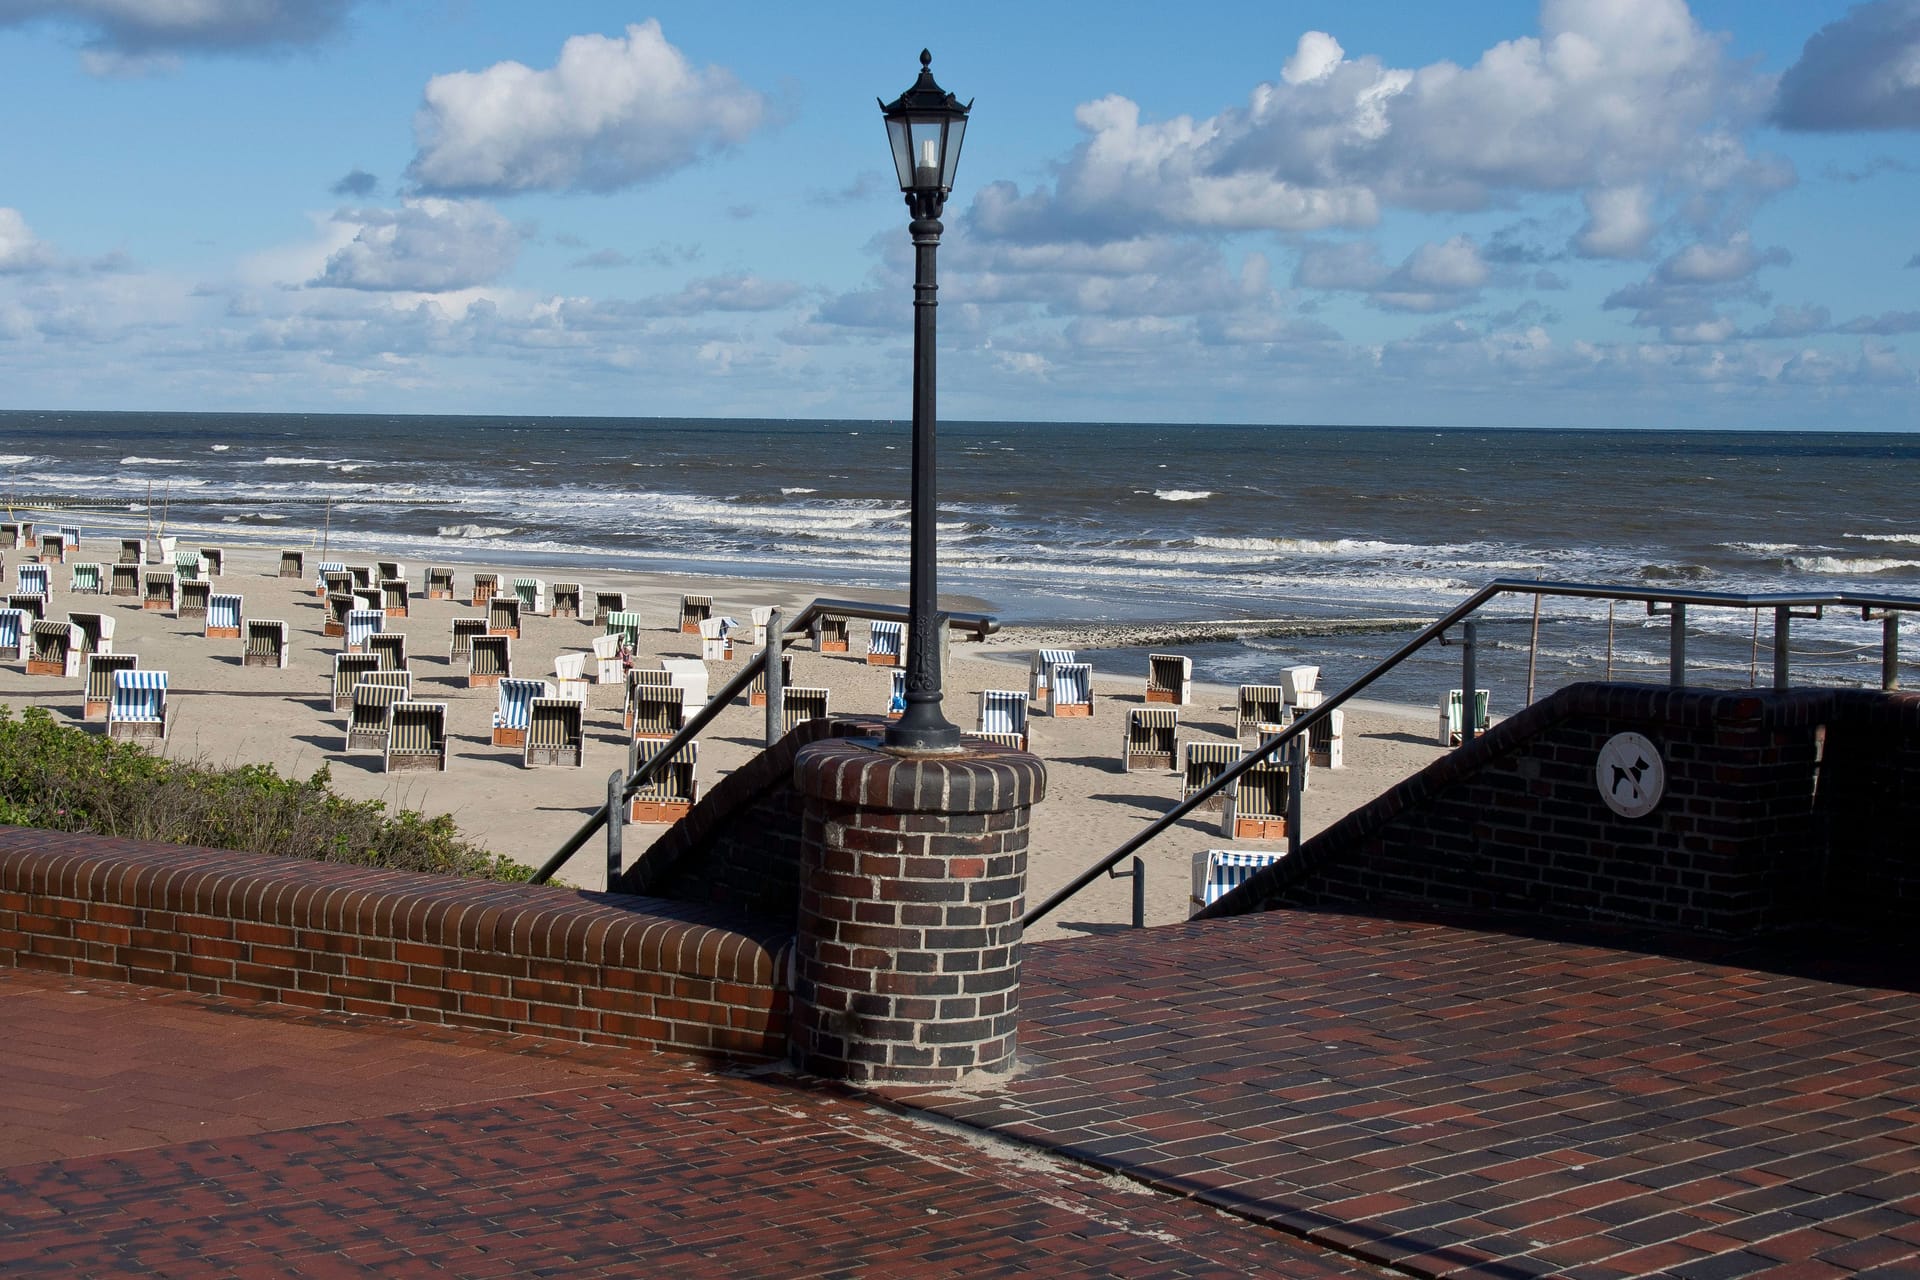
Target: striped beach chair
{"type": "Point", "coordinates": [362, 623]}
{"type": "Point", "coordinates": [626, 625]}
{"type": "Point", "coordinates": [897, 694]}
{"type": "Point", "coordinates": [401, 680]}
{"type": "Point", "coordinates": [30, 603]}
{"type": "Point", "coordinates": [716, 639]}
{"type": "Point", "coordinates": [266, 643]}
{"type": "Point", "coordinates": [693, 611]}
{"type": "Point", "coordinates": [1327, 740]}
{"type": "Point", "coordinates": [88, 579]}
{"type": "Point", "coordinates": [503, 616]}
{"type": "Point", "coordinates": [216, 561]}
{"type": "Point", "coordinates": [385, 570]}
{"type": "Point", "coordinates": [1260, 712]}
{"type": "Point", "coordinates": [607, 666]}
{"type": "Point", "coordinates": [340, 583]}
{"type": "Point", "coordinates": [1201, 767]}
{"type": "Point", "coordinates": [323, 571]}
{"type": "Point", "coordinates": [349, 669]}
{"type": "Point", "coordinates": [71, 532]}
{"type": "Point", "coordinates": [137, 708]}
{"type": "Point", "coordinates": [641, 676]}
{"type": "Point", "coordinates": [675, 785]}
{"type": "Point", "coordinates": [100, 672]}
{"type": "Point", "coordinates": [15, 625]}
{"type": "Point", "coordinates": [532, 595]}
{"type": "Point", "coordinates": [762, 615]}
{"type": "Point", "coordinates": [1040, 668]}
{"type": "Point", "coordinates": [391, 648]}
{"type": "Point", "coordinates": [416, 737]}
{"type": "Point", "coordinates": [606, 604]}
{"type": "Point", "coordinates": [190, 565]}
{"type": "Point", "coordinates": [53, 649]}
{"type": "Point", "coordinates": [556, 734]}
{"type": "Point", "coordinates": [829, 634]}
{"type": "Point", "coordinates": [439, 583]}
{"type": "Point", "coordinates": [489, 660]}
{"type": "Point", "coordinates": [123, 580]}
{"type": "Point", "coordinates": [566, 600]}
{"type": "Point", "coordinates": [32, 580]}
{"type": "Point", "coordinates": [393, 597]}
{"type": "Point", "coordinates": [485, 587]}
{"type": "Point", "coordinates": [163, 592]}
{"type": "Point", "coordinates": [656, 710]}
{"type": "Point", "coordinates": [1070, 690]}
{"type": "Point", "coordinates": [463, 632]}
{"type": "Point", "coordinates": [1004, 711]}
{"type": "Point", "coordinates": [886, 644]}
{"type": "Point", "coordinates": [1217, 872]}
{"type": "Point", "coordinates": [1257, 809]}
{"type": "Point", "coordinates": [1013, 740]}
{"type": "Point", "coordinates": [223, 617]}
{"type": "Point", "coordinates": [369, 719]}
{"type": "Point", "coordinates": [338, 605]}
{"type": "Point", "coordinates": [1151, 739]}
{"type": "Point", "coordinates": [96, 631]}
{"type": "Point", "coordinates": [195, 593]}
{"type": "Point", "coordinates": [132, 551]}
{"type": "Point", "coordinates": [797, 706]}
{"type": "Point", "coordinates": [363, 579]}
{"type": "Point", "coordinates": [1169, 678]}
{"type": "Point", "coordinates": [10, 535]}
{"type": "Point", "coordinates": [514, 706]}
{"type": "Point", "coordinates": [53, 548]}
{"type": "Point", "coordinates": [1451, 708]}
{"type": "Point", "coordinates": [757, 691]}
{"type": "Point", "coordinates": [293, 564]}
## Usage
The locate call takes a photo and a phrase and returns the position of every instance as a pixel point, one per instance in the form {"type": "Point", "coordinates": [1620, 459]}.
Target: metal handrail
{"type": "Point", "coordinates": [1866, 602]}
{"type": "Point", "coordinates": [980, 624]}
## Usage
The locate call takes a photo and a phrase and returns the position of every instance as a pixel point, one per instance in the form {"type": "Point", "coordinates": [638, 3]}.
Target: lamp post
{"type": "Point", "coordinates": [925, 125]}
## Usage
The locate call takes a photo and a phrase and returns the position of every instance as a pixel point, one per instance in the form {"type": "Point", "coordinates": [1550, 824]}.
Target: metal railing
{"type": "Point", "coordinates": [623, 784]}
{"type": "Point", "coordinates": [1786, 606]}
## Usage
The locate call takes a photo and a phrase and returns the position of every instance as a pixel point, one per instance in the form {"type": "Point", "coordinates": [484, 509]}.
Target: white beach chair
{"type": "Point", "coordinates": [607, 666]}
{"type": "Point", "coordinates": [223, 617]}
{"type": "Point", "coordinates": [1217, 872]}
{"type": "Point", "coordinates": [96, 631]}
{"type": "Point", "coordinates": [690, 674]}
{"type": "Point", "coordinates": [1300, 683]}
{"type": "Point", "coordinates": [716, 639]}
{"type": "Point", "coordinates": [1327, 740]}
{"type": "Point", "coordinates": [761, 615]}
{"type": "Point", "coordinates": [570, 676]}
{"type": "Point", "coordinates": [138, 707]}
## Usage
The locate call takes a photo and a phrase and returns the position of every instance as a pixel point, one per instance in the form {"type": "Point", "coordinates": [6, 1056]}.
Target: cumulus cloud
{"type": "Point", "coordinates": [133, 36]}
{"type": "Point", "coordinates": [1683, 296]}
{"type": "Point", "coordinates": [357, 182]}
{"type": "Point", "coordinates": [610, 113]}
{"type": "Point", "coordinates": [20, 250]}
{"type": "Point", "coordinates": [1434, 277]}
{"type": "Point", "coordinates": [425, 246]}
{"type": "Point", "coordinates": [1613, 99]}
{"type": "Point", "coordinates": [1861, 71]}
{"type": "Point", "coordinates": [1885, 324]}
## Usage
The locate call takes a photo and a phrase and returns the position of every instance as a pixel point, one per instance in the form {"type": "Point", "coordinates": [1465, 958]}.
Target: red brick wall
{"type": "Point", "coordinates": [1755, 831]}
{"type": "Point", "coordinates": [604, 968]}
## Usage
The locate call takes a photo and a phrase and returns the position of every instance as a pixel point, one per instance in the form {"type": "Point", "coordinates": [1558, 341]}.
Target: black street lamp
{"type": "Point", "coordinates": [925, 125]}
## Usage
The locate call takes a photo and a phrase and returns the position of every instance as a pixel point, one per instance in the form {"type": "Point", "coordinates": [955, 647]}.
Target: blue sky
{"type": "Point", "coordinates": [1581, 212]}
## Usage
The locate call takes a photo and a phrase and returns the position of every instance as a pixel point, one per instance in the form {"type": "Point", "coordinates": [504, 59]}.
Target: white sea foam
{"type": "Point", "coordinates": [472, 531]}
{"type": "Point", "coordinates": [1842, 565]}
{"type": "Point", "coordinates": [1321, 546]}
{"type": "Point", "coordinates": [1910, 538]}
{"type": "Point", "coordinates": [219, 448]}
{"type": "Point", "coordinates": [1182, 495]}
{"type": "Point", "coordinates": [298, 462]}
{"type": "Point", "coordinates": [135, 460]}
{"type": "Point", "coordinates": [797, 489]}
{"type": "Point", "coordinates": [19, 459]}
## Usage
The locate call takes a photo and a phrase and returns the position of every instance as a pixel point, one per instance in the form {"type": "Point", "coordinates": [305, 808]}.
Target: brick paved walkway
{"type": "Point", "coordinates": [1459, 1102]}
{"type": "Point", "coordinates": [582, 1162]}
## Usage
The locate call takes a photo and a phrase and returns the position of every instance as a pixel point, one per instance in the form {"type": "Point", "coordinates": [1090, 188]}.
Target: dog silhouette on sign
{"type": "Point", "coordinates": [1631, 775]}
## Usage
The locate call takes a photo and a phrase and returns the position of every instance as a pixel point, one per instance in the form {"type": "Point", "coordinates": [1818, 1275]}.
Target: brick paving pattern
{"type": "Point", "coordinates": [587, 1162]}
{"type": "Point", "coordinates": [1457, 1102]}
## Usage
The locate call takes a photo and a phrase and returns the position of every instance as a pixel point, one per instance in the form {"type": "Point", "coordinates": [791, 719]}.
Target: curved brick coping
{"type": "Point", "coordinates": [603, 968]}
{"type": "Point", "coordinates": [1754, 714]}
{"type": "Point", "coordinates": [986, 778]}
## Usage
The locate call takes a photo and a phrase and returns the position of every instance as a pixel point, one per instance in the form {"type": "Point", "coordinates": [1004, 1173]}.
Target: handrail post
{"type": "Point", "coordinates": [775, 679]}
{"type": "Point", "coordinates": [1677, 644]}
{"type": "Point", "coordinates": [1890, 651]}
{"type": "Point", "coordinates": [1138, 874]}
{"type": "Point", "coordinates": [1782, 629]}
{"type": "Point", "coordinates": [1469, 676]}
{"type": "Point", "coordinates": [616, 824]}
{"type": "Point", "coordinates": [1296, 783]}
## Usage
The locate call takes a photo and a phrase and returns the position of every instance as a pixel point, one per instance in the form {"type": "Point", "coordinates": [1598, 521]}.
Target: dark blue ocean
{"type": "Point", "coordinates": [1067, 522]}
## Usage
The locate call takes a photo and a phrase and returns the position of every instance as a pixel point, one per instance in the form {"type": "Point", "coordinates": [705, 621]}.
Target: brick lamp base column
{"type": "Point", "coordinates": [912, 874]}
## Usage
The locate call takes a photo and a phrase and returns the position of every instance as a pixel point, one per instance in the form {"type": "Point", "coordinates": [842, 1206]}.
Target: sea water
{"type": "Point", "coordinates": [1081, 522]}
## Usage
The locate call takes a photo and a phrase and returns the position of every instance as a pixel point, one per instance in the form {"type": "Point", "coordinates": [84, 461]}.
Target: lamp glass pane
{"type": "Point", "coordinates": [902, 153]}
{"type": "Point", "coordinates": [927, 140]}
{"type": "Point", "coordinates": [956, 129]}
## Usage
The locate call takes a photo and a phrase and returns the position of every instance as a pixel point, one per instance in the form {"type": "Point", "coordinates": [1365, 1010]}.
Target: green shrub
{"type": "Point", "coordinates": [65, 779]}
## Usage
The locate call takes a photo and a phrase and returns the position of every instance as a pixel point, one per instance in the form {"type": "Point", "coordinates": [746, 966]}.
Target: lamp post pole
{"type": "Point", "coordinates": [926, 123]}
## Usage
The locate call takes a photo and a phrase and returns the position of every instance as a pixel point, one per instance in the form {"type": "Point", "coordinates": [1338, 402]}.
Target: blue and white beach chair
{"type": "Point", "coordinates": [1217, 872]}
{"type": "Point", "coordinates": [13, 632]}
{"type": "Point", "coordinates": [1040, 669]}
{"type": "Point", "coordinates": [511, 714]}
{"type": "Point", "coordinates": [223, 617]}
{"type": "Point", "coordinates": [138, 708]}
{"type": "Point", "coordinates": [897, 700]}
{"type": "Point", "coordinates": [1070, 690]}
{"type": "Point", "coordinates": [885, 643]}
{"type": "Point", "coordinates": [33, 580]}
{"type": "Point", "coordinates": [320, 572]}
{"type": "Point", "coordinates": [1004, 711]}
{"type": "Point", "coordinates": [362, 623]}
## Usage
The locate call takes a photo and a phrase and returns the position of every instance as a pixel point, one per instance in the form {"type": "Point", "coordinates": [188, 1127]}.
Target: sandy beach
{"type": "Point", "coordinates": [228, 714]}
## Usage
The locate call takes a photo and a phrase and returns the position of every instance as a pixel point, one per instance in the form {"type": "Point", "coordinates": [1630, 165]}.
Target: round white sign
{"type": "Point", "coordinates": [1630, 774]}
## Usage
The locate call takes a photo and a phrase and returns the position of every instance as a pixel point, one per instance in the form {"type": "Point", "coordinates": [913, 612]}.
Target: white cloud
{"type": "Point", "coordinates": [132, 37]}
{"type": "Point", "coordinates": [425, 246]}
{"type": "Point", "coordinates": [20, 249]}
{"type": "Point", "coordinates": [1619, 222]}
{"type": "Point", "coordinates": [1435, 277]}
{"type": "Point", "coordinates": [1736, 259]}
{"type": "Point", "coordinates": [611, 112]}
{"type": "Point", "coordinates": [1859, 72]}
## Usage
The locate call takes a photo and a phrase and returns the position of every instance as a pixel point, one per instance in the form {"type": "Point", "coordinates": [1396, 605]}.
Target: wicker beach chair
{"type": "Point", "coordinates": [132, 551]}
{"type": "Point", "coordinates": [159, 548]}
{"type": "Point", "coordinates": [626, 626]}
{"type": "Point", "coordinates": [30, 603]}
{"type": "Point", "coordinates": [335, 580]}
{"type": "Point", "coordinates": [53, 548]}
{"type": "Point", "coordinates": [485, 587]}
{"type": "Point", "coordinates": [369, 720]}
{"type": "Point", "coordinates": [1040, 667]}
{"type": "Point", "coordinates": [1013, 740]}
{"type": "Point", "coordinates": [1150, 739]}
{"type": "Point", "coordinates": [266, 643]}
{"type": "Point", "coordinates": [489, 660]}
{"type": "Point", "coordinates": [1217, 872]}
{"type": "Point", "coordinates": [338, 605]}
{"type": "Point", "coordinates": [800, 705]}
{"type": "Point", "coordinates": [757, 691]}
{"type": "Point", "coordinates": [387, 570]}
{"type": "Point", "coordinates": [886, 644]}
{"type": "Point", "coordinates": [96, 631]}
{"type": "Point", "coordinates": [1070, 690]}
{"type": "Point", "coordinates": [163, 592]}
{"type": "Point", "coordinates": [53, 649]}
{"type": "Point", "coordinates": [1169, 678]}
{"type": "Point", "coordinates": [1201, 766]}
{"type": "Point", "coordinates": [829, 634]}
{"type": "Point", "coordinates": [463, 631]}
{"type": "Point", "coordinates": [32, 580]}
{"type": "Point", "coordinates": [416, 737]}
{"type": "Point", "coordinates": [639, 676]}
{"type": "Point", "coordinates": [100, 672]}
{"type": "Point", "coordinates": [674, 787]}
{"type": "Point", "coordinates": [349, 669]}
{"type": "Point", "coordinates": [87, 579]}
{"type": "Point", "coordinates": [362, 623]}
{"type": "Point", "coordinates": [11, 538]}
{"type": "Point", "coordinates": [566, 600]}
{"type": "Point", "coordinates": [1257, 809]}
{"type": "Point", "coordinates": [190, 565]}
{"type": "Point", "coordinates": [897, 694]}
{"type": "Point", "coordinates": [1327, 740]}
{"type": "Point", "coordinates": [1451, 707]}
{"type": "Point", "coordinates": [556, 734]}
{"type": "Point", "coordinates": [124, 580]}
{"type": "Point", "coordinates": [693, 611]}
{"type": "Point", "coordinates": [1004, 711]}
{"type": "Point", "coordinates": [363, 576]}
{"type": "Point", "coordinates": [391, 648]}
{"type": "Point", "coordinates": [15, 626]}
{"type": "Point", "coordinates": [137, 709]}
{"type": "Point", "coordinates": [1260, 712]}
{"type": "Point", "coordinates": [439, 583]}
{"type": "Point", "coordinates": [223, 616]}
{"type": "Point", "coordinates": [195, 593]}
{"type": "Point", "coordinates": [716, 639]}
{"type": "Point", "coordinates": [532, 595]}
{"type": "Point", "coordinates": [293, 564]}
{"type": "Point", "coordinates": [762, 615]}
{"type": "Point", "coordinates": [655, 710]}
{"type": "Point", "coordinates": [606, 604]}
{"type": "Point", "coordinates": [71, 532]}
{"type": "Point", "coordinates": [503, 616]}
{"type": "Point", "coordinates": [393, 596]}
{"type": "Point", "coordinates": [216, 561]}
{"type": "Point", "coordinates": [511, 711]}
